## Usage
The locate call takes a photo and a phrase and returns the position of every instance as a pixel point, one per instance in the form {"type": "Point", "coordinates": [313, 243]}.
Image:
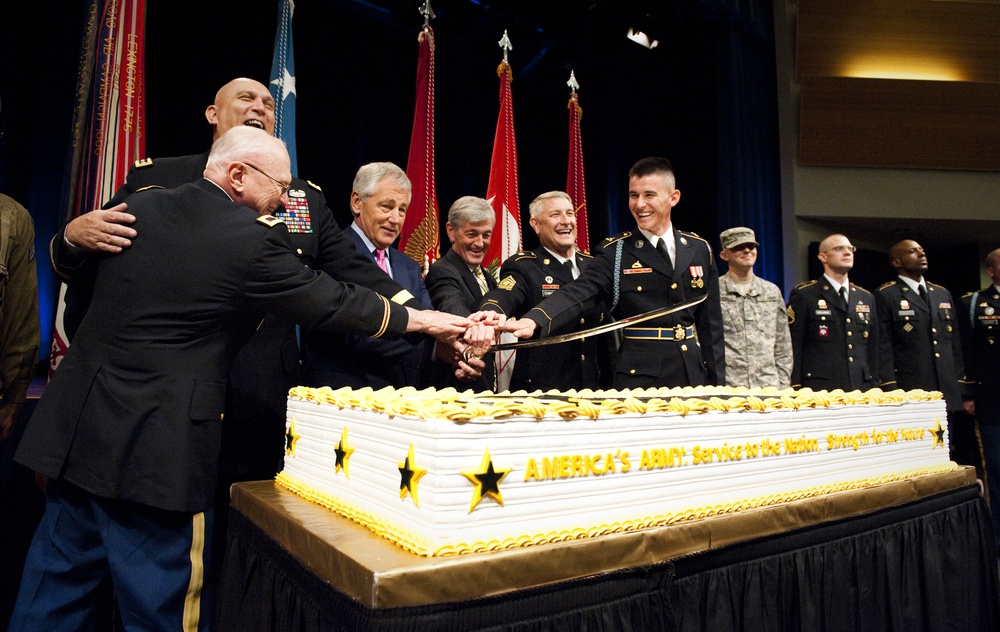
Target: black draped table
{"type": "Point", "coordinates": [910, 556]}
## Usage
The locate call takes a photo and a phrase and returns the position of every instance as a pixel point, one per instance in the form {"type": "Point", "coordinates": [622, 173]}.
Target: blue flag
{"type": "Point", "coordinates": [283, 81]}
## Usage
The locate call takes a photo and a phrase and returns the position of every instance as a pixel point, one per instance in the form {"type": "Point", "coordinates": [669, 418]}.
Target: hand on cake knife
{"type": "Point", "coordinates": [595, 331]}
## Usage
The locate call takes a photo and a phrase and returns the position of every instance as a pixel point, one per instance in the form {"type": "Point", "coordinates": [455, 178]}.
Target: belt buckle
{"type": "Point", "coordinates": [679, 333]}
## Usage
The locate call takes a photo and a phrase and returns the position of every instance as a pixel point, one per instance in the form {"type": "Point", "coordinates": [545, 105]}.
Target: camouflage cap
{"type": "Point", "coordinates": [732, 237]}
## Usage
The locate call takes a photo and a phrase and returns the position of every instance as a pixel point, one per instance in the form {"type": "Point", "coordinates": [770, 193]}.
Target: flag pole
{"type": "Point", "coordinates": [575, 183]}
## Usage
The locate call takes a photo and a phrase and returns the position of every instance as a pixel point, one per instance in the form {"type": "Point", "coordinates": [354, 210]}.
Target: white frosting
{"type": "Point", "coordinates": [533, 508]}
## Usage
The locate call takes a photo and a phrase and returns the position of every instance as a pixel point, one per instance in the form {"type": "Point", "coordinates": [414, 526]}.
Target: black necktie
{"type": "Point", "coordinates": [661, 246]}
{"type": "Point", "coordinates": [923, 293]}
{"type": "Point", "coordinates": [569, 266]}
{"type": "Point", "coordinates": [843, 296]}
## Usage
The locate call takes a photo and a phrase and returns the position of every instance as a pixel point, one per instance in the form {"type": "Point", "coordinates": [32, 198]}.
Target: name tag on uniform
{"type": "Point", "coordinates": [906, 312]}
{"type": "Point", "coordinates": [637, 270]}
{"type": "Point", "coordinates": [823, 312]}
{"type": "Point", "coordinates": [548, 290]}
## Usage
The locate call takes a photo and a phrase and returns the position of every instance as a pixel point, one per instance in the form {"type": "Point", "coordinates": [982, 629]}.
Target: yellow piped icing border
{"type": "Point", "coordinates": [421, 546]}
{"type": "Point", "coordinates": [465, 405]}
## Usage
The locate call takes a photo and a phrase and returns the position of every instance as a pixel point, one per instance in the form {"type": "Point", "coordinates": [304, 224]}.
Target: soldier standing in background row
{"type": "Point", "coordinates": [758, 343]}
{"type": "Point", "coordinates": [979, 323]}
{"type": "Point", "coordinates": [834, 326]}
{"type": "Point", "coordinates": [921, 347]}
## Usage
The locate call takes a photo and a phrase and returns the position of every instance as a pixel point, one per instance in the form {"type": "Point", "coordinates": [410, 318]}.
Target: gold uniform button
{"type": "Point", "coordinates": [583, 321]}
{"type": "Point", "coordinates": [935, 342]}
{"type": "Point", "coordinates": [850, 359]}
{"type": "Point", "coordinates": [937, 355]}
{"type": "Point", "coordinates": [850, 333]}
{"type": "Point", "coordinates": [638, 289]}
{"type": "Point", "coordinates": [850, 346]}
{"type": "Point", "coordinates": [583, 358]}
{"type": "Point", "coordinates": [673, 286]}
{"type": "Point", "coordinates": [631, 371]}
{"type": "Point", "coordinates": [684, 347]}
{"type": "Point", "coordinates": [222, 416]}
{"type": "Point", "coordinates": [934, 330]}
{"type": "Point", "coordinates": [298, 251]}
{"type": "Point", "coordinates": [848, 320]}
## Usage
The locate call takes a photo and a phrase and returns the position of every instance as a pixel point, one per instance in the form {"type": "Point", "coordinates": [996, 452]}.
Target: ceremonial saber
{"type": "Point", "coordinates": [596, 331]}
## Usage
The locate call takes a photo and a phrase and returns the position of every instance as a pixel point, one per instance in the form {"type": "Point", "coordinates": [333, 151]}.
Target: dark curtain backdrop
{"type": "Point", "coordinates": [704, 98]}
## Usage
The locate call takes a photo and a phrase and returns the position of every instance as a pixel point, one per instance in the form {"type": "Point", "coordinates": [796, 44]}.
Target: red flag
{"type": "Point", "coordinates": [109, 118]}
{"type": "Point", "coordinates": [419, 237]}
{"type": "Point", "coordinates": [502, 188]}
{"type": "Point", "coordinates": [575, 185]}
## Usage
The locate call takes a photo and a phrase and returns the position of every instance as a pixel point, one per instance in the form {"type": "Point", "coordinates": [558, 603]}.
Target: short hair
{"type": "Point", "coordinates": [650, 166]}
{"type": "Point", "coordinates": [535, 208]}
{"type": "Point", "coordinates": [369, 176]}
{"type": "Point", "coordinates": [991, 259]}
{"type": "Point", "coordinates": [470, 209]}
{"type": "Point", "coordinates": [243, 143]}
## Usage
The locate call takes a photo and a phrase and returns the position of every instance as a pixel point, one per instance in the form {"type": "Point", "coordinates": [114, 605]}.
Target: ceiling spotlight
{"type": "Point", "coordinates": [640, 38]}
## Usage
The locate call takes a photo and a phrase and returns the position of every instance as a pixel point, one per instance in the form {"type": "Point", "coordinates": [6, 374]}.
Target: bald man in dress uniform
{"type": "Point", "coordinates": [834, 325]}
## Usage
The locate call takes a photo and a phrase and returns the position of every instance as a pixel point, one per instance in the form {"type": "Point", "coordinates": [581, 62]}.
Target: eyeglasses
{"type": "Point", "coordinates": [841, 249]}
{"type": "Point", "coordinates": [281, 185]}
{"type": "Point", "coordinates": [743, 247]}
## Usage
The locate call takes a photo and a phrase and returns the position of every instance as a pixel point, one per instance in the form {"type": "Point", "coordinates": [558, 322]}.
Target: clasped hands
{"type": "Point", "coordinates": [469, 339]}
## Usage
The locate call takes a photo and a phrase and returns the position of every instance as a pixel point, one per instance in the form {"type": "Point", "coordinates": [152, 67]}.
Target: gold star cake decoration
{"type": "Point", "coordinates": [486, 480]}
{"type": "Point", "coordinates": [344, 453]}
{"type": "Point", "coordinates": [938, 433]}
{"type": "Point", "coordinates": [291, 438]}
{"type": "Point", "coordinates": [409, 476]}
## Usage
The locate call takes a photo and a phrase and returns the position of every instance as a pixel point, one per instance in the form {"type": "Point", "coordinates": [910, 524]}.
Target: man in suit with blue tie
{"type": "Point", "coordinates": [380, 196]}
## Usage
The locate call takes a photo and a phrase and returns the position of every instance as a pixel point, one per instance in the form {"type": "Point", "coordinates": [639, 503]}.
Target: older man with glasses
{"type": "Point", "coordinates": [758, 344]}
{"type": "Point", "coordinates": [834, 326]}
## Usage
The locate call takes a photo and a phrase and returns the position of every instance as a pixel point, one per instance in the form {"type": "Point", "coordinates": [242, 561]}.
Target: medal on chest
{"type": "Point", "coordinates": [296, 214]}
{"type": "Point", "coordinates": [697, 276]}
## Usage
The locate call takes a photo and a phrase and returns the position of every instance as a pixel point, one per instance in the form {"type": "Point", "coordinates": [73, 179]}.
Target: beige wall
{"type": "Point", "coordinates": [872, 205]}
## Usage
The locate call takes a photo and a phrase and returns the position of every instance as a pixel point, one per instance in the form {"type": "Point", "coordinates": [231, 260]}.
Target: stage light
{"type": "Point", "coordinates": [640, 38]}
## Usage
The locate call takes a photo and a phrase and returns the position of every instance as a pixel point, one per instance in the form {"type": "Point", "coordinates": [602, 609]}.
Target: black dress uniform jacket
{"type": "Point", "coordinates": [526, 279]}
{"type": "Point", "coordinates": [270, 363]}
{"type": "Point", "coordinates": [455, 290]}
{"type": "Point", "coordinates": [980, 325]}
{"type": "Point", "coordinates": [833, 346]}
{"type": "Point", "coordinates": [920, 343]}
{"type": "Point", "coordinates": [641, 282]}
{"type": "Point", "coordinates": [135, 410]}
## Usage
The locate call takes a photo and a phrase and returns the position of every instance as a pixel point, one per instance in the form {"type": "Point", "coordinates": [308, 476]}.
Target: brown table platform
{"type": "Point", "coordinates": [378, 574]}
